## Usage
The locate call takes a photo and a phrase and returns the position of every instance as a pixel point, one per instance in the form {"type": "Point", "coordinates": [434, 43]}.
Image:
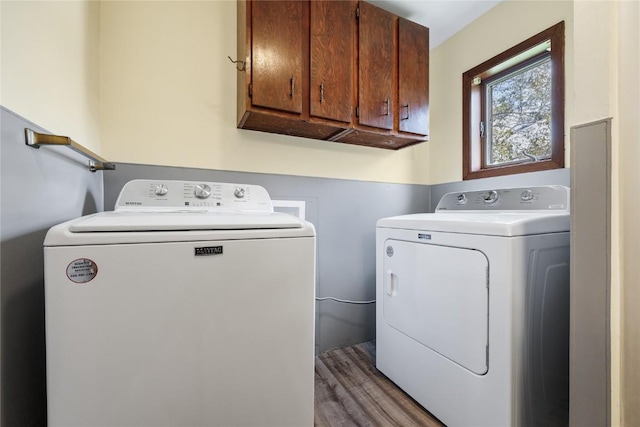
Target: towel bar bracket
{"type": "Point", "coordinates": [36, 140]}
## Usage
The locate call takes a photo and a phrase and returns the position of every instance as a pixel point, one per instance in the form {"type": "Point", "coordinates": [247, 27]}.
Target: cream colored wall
{"type": "Point", "coordinates": [168, 98]}
{"type": "Point", "coordinates": [167, 89]}
{"type": "Point", "coordinates": [628, 208]}
{"type": "Point", "coordinates": [505, 25]}
{"type": "Point", "coordinates": [49, 69]}
{"type": "Point", "coordinates": [595, 37]}
{"type": "Point", "coordinates": [607, 56]}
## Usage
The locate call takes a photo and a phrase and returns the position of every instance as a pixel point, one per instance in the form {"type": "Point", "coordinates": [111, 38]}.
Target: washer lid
{"type": "Point", "coordinates": [111, 228]}
{"type": "Point", "coordinates": [157, 211]}
{"type": "Point", "coordinates": [182, 221]}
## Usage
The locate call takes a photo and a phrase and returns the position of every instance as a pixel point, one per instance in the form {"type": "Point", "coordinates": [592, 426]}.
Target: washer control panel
{"type": "Point", "coordinates": [165, 195]}
{"type": "Point", "coordinates": [546, 198]}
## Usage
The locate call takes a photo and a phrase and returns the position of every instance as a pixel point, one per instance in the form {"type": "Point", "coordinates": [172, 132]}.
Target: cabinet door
{"type": "Point", "coordinates": [413, 72]}
{"type": "Point", "coordinates": [376, 56]}
{"type": "Point", "coordinates": [277, 30]}
{"type": "Point", "coordinates": [332, 58]}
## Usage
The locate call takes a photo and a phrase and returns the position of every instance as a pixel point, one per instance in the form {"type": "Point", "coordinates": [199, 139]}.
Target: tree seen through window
{"type": "Point", "coordinates": [520, 106]}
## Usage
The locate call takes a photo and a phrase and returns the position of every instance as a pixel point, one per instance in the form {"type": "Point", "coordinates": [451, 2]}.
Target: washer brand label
{"type": "Point", "coordinates": [424, 236]}
{"type": "Point", "coordinates": [128, 203]}
{"type": "Point", "coordinates": [208, 250]}
{"type": "Point", "coordinates": [82, 270]}
{"type": "Point", "coordinates": [389, 251]}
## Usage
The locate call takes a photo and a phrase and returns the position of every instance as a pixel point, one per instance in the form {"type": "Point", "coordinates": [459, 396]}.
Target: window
{"type": "Point", "coordinates": [513, 109]}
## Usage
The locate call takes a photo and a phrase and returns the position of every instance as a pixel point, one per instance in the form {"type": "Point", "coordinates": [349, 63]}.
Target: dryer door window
{"type": "Point", "coordinates": [439, 296]}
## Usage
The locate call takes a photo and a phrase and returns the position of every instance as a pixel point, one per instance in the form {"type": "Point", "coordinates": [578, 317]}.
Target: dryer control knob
{"type": "Point", "coordinates": [491, 197]}
{"type": "Point", "coordinates": [526, 195]}
{"type": "Point", "coordinates": [161, 190]}
{"type": "Point", "coordinates": [238, 192]}
{"type": "Point", "coordinates": [202, 191]}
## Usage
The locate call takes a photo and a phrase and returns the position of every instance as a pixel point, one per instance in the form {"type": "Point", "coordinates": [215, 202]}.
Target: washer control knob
{"type": "Point", "coordinates": [461, 199]}
{"type": "Point", "coordinates": [202, 191]}
{"type": "Point", "coordinates": [161, 190]}
{"type": "Point", "coordinates": [527, 195]}
{"type": "Point", "coordinates": [490, 197]}
{"type": "Point", "coordinates": [238, 192]}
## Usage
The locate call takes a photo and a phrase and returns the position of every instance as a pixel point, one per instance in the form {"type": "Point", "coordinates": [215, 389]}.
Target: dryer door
{"type": "Point", "coordinates": [439, 296]}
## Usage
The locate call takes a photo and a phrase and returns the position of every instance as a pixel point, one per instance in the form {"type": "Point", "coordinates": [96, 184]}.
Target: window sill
{"type": "Point", "coordinates": [513, 169]}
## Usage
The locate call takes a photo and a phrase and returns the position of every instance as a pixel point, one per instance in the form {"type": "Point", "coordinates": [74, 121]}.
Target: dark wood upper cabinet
{"type": "Point", "coordinates": [413, 80]}
{"type": "Point", "coordinates": [343, 71]}
{"type": "Point", "coordinates": [332, 59]}
{"type": "Point", "coordinates": [277, 53]}
{"type": "Point", "coordinates": [376, 67]}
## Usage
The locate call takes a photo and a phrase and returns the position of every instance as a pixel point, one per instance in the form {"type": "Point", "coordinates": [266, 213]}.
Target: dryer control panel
{"type": "Point", "coordinates": [551, 198]}
{"type": "Point", "coordinates": [166, 195]}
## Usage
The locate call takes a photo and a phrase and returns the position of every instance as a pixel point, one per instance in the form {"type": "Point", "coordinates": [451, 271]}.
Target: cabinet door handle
{"type": "Point", "coordinates": [321, 92]}
{"type": "Point", "coordinates": [408, 112]}
{"type": "Point", "coordinates": [386, 101]}
{"type": "Point", "coordinates": [292, 84]}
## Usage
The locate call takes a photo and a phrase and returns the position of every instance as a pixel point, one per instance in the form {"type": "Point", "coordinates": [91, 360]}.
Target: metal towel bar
{"type": "Point", "coordinates": [36, 140]}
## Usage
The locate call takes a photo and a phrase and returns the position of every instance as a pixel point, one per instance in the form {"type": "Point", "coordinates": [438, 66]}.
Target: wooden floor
{"type": "Point", "coordinates": [350, 391]}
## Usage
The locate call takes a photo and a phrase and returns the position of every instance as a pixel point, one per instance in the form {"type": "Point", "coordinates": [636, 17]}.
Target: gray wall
{"type": "Point", "coordinates": [38, 188]}
{"type": "Point", "coordinates": [344, 214]}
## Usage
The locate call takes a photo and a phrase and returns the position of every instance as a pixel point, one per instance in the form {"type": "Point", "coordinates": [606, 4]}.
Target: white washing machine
{"type": "Point", "coordinates": [473, 306]}
{"type": "Point", "coordinates": [191, 304]}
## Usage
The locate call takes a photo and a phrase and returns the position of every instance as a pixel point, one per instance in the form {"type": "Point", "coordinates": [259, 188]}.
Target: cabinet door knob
{"type": "Point", "coordinates": [386, 102]}
{"type": "Point", "coordinates": [321, 92]}
{"type": "Point", "coordinates": [292, 84]}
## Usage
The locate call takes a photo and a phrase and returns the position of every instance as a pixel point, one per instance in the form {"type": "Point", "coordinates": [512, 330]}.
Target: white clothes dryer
{"type": "Point", "coordinates": [191, 304]}
{"type": "Point", "coordinates": [473, 306]}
